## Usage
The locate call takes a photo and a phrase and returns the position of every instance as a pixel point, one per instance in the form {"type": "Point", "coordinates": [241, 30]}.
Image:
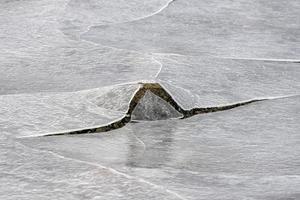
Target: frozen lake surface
{"type": "Point", "coordinates": [186, 99]}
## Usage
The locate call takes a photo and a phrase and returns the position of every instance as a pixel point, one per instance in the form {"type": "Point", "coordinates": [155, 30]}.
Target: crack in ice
{"type": "Point", "coordinates": [140, 141]}
{"type": "Point", "coordinates": [160, 66]}
{"type": "Point", "coordinates": [263, 59]}
{"type": "Point", "coordinates": [134, 20]}
{"type": "Point", "coordinates": [159, 91]}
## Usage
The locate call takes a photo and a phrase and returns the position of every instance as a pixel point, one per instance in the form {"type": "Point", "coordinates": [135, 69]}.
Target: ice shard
{"type": "Point", "coordinates": [152, 107]}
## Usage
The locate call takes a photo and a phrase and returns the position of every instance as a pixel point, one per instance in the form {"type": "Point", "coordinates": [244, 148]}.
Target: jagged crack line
{"type": "Point", "coordinates": [140, 141]}
{"type": "Point", "coordinates": [155, 13]}
{"type": "Point", "coordinates": [231, 58]}
{"type": "Point", "coordinates": [113, 171]}
{"type": "Point", "coordinates": [134, 20]}
{"type": "Point", "coordinates": [160, 67]}
{"type": "Point", "coordinates": [196, 111]}
{"type": "Point", "coordinates": [103, 128]}
{"type": "Point", "coordinates": [158, 90]}
{"type": "Point", "coordinates": [263, 59]}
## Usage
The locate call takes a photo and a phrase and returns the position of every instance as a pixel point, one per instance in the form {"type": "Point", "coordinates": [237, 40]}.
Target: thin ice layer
{"type": "Point", "coordinates": [45, 113]}
{"type": "Point", "coordinates": [208, 82]}
{"type": "Point", "coordinates": [29, 173]}
{"type": "Point", "coordinates": [254, 29]}
{"type": "Point", "coordinates": [250, 152]}
{"type": "Point", "coordinates": [36, 56]}
{"type": "Point", "coordinates": [79, 15]}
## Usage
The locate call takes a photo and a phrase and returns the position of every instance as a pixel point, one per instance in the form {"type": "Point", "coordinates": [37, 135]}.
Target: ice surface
{"type": "Point", "coordinates": [44, 113]}
{"type": "Point", "coordinates": [68, 65]}
{"type": "Point", "coordinates": [37, 57]}
{"type": "Point", "coordinates": [256, 29]}
{"type": "Point", "coordinates": [29, 173]}
{"type": "Point", "coordinates": [246, 153]}
{"type": "Point", "coordinates": [76, 20]}
{"type": "Point", "coordinates": [216, 81]}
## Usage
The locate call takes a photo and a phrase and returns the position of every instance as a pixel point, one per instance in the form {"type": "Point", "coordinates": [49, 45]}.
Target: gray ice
{"type": "Point", "coordinates": [68, 65]}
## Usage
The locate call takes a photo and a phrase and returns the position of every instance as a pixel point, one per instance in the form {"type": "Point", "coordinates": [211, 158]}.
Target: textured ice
{"type": "Point", "coordinates": [76, 20]}
{"type": "Point", "coordinates": [256, 29]}
{"type": "Point", "coordinates": [44, 113]}
{"type": "Point", "coordinates": [247, 153]}
{"type": "Point", "coordinates": [37, 57]}
{"type": "Point", "coordinates": [71, 65]}
{"type": "Point", "coordinates": [218, 81]}
{"type": "Point", "coordinates": [29, 173]}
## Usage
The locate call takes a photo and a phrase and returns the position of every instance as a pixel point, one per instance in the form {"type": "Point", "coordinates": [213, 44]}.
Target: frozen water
{"type": "Point", "coordinates": [69, 65]}
{"type": "Point", "coordinates": [76, 20]}
{"type": "Point", "coordinates": [216, 81]}
{"type": "Point", "coordinates": [29, 173]}
{"type": "Point", "coordinates": [44, 113]}
{"type": "Point", "coordinates": [37, 57]}
{"type": "Point", "coordinates": [256, 29]}
{"type": "Point", "coordinates": [246, 153]}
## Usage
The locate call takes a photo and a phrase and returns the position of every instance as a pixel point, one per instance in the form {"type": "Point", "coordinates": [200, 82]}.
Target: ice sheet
{"type": "Point", "coordinates": [68, 65]}
{"type": "Point", "coordinates": [79, 16]}
{"type": "Point", "coordinates": [256, 29]}
{"type": "Point", "coordinates": [246, 153]}
{"type": "Point", "coordinates": [36, 56]}
{"type": "Point", "coordinates": [28, 173]}
{"type": "Point", "coordinates": [207, 82]}
{"type": "Point", "coordinates": [46, 113]}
